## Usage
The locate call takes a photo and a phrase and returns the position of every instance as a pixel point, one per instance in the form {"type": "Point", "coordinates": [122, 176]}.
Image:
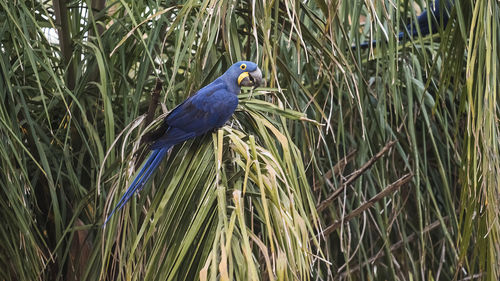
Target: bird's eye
{"type": "Point", "coordinates": [243, 66]}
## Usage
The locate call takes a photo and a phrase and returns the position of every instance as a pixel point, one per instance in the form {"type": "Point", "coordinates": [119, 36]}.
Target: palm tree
{"type": "Point", "coordinates": [350, 164]}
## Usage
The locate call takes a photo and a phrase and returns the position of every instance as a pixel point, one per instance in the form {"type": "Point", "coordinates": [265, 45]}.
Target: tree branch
{"type": "Point", "coordinates": [320, 207]}
{"type": "Point", "coordinates": [388, 190]}
{"type": "Point", "coordinates": [64, 34]}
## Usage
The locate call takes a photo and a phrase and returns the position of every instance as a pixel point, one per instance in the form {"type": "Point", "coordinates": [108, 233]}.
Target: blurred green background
{"type": "Point", "coordinates": [349, 164]}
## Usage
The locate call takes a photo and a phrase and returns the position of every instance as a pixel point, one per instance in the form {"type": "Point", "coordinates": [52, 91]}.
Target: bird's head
{"type": "Point", "coordinates": [244, 73]}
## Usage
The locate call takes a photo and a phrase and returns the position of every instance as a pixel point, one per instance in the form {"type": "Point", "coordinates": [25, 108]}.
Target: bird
{"type": "Point", "coordinates": [423, 23]}
{"type": "Point", "coordinates": [208, 109]}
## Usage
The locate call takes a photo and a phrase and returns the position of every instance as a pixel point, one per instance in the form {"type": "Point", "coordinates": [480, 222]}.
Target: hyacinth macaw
{"type": "Point", "coordinates": [207, 109]}
{"type": "Point", "coordinates": [438, 13]}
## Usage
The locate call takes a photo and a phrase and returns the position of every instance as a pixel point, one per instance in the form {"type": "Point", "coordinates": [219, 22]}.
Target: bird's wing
{"type": "Point", "coordinates": [209, 108]}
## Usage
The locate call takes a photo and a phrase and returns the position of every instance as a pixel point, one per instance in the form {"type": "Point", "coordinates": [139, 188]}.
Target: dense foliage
{"type": "Point", "coordinates": [350, 164]}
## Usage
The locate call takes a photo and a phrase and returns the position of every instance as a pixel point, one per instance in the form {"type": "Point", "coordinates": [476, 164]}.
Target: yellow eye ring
{"type": "Point", "coordinates": [243, 66]}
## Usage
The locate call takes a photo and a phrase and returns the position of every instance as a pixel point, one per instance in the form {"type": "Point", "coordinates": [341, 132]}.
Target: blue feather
{"type": "Point", "coordinates": [423, 23]}
{"type": "Point", "coordinates": [141, 179]}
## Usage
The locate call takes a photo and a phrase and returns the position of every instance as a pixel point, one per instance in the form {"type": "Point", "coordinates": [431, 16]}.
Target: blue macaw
{"type": "Point", "coordinates": [207, 109]}
{"type": "Point", "coordinates": [423, 23]}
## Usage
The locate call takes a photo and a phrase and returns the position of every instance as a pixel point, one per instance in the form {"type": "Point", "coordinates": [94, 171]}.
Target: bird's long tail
{"type": "Point", "coordinates": [141, 179]}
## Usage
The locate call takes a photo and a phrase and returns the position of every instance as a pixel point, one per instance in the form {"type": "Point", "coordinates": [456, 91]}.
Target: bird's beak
{"type": "Point", "coordinates": [250, 79]}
